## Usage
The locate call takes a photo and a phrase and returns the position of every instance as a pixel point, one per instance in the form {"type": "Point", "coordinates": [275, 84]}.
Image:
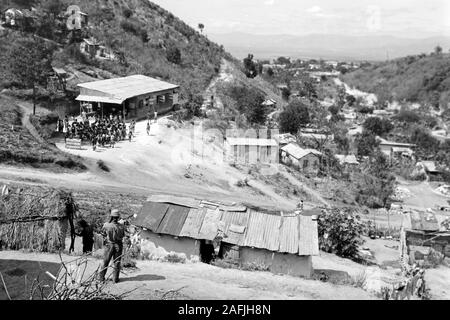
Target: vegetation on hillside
{"type": "Point", "coordinates": [420, 78]}
{"type": "Point", "coordinates": [17, 145]}
{"type": "Point", "coordinates": [152, 41]}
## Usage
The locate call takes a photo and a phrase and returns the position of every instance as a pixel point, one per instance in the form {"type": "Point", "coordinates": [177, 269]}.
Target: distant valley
{"type": "Point", "coordinates": [337, 47]}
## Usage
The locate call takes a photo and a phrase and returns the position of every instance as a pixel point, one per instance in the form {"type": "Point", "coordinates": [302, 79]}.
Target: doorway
{"type": "Point", "coordinates": [206, 251]}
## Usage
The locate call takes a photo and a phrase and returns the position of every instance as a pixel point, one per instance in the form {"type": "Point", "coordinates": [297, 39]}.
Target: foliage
{"type": "Point", "coordinates": [407, 116]}
{"type": "Point", "coordinates": [378, 126]}
{"type": "Point", "coordinates": [250, 66]}
{"type": "Point", "coordinates": [340, 232]}
{"type": "Point", "coordinates": [193, 106]}
{"type": "Point", "coordinates": [174, 55]}
{"type": "Point", "coordinates": [293, 116]}
{"type": "Point", "coordinates": [30, 62]}
{"type": "Point", "coordinates": [249, 101]}
{"type": "Point", "coordinates": [366, 143]}
{"type": "Point", "coordinates": [422, 78]}
{"type": "Point", "coordinates": [426, 143]}
{"type": "Point", "coordinates": [374, 185]}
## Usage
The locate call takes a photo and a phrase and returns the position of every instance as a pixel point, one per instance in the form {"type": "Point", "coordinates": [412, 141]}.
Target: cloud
{"type": "Point", "coordinates": [269, 2]}
{"type": "Point", "coordinates": [315, 9]}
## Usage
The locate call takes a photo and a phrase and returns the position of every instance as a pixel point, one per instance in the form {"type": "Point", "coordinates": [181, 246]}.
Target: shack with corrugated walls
{"type": "Point", "coordinates": [200, 230]}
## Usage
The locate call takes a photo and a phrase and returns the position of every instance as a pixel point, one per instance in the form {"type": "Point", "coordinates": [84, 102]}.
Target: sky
{"type": "Point", "coordinates": [401, 18]}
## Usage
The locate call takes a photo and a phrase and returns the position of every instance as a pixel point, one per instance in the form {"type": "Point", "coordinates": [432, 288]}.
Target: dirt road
{"type": "Point", "coordinates": [203, 281]}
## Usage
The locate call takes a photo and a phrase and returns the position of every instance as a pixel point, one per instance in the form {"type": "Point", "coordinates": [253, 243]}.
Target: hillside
{"type": "Point", "coordinates": [147, 35]}
{"type": "Point", "coordinates": [423, 78]}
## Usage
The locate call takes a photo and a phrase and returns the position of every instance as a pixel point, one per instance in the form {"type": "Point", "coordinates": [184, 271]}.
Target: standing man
{"type": "Point", "coordinates": [148, 128]}
{"type": "Point", "coordinates": [87, 233]}
{"type": "Point", "coordinates": [114, 233]}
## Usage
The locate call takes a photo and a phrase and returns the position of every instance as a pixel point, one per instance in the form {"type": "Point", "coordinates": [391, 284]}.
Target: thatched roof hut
{"type": "Point", "coordinates": [36, 219]}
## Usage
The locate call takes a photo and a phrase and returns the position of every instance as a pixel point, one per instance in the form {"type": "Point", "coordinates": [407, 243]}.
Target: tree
{"type": "Point", "coordinates": [201, 26]}
{"type": "Point", "coordinates": [366, 143]}
{"type": "Point", "coordinates": [293, 117]}
{"type": "Point", "coordinates": [285, 93]}
{"type": "Point", "coordinates": [375, 185]}
{"type": "Point", "coordinates": [270, 72]}
{"type": "Point", "coordinates": [438, 50]}
{"type": "Point", "coordinates": [378, 126]}
{"type": "Point", "coordinates": [174, 55]}
{"type": "Point", "coordinates": [251, 70]}
{"type": "Point", "coordinates": [193, 106]}
{"type": "Point", "coordinates": [249, 102]}
{"type": "Point", "coordinates": [30, 63]}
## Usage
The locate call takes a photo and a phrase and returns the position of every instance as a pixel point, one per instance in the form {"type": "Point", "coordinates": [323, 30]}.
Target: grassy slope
{"type": "Point", "coordinates": [415, 79]}
{"type": "Point", "coordinates": [200, 58]}
{"type": "Point", "coordinates": [17, 145]}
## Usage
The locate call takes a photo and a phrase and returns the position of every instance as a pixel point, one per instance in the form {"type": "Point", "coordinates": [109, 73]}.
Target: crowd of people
{"type": "Point", "coordinates": [104, 131]}
{"type": "Point", "coordinates": [101, 131]}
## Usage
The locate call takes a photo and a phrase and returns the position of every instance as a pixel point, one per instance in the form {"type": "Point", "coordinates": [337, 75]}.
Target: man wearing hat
{"type": "Point", "coordinates": [114, 232]}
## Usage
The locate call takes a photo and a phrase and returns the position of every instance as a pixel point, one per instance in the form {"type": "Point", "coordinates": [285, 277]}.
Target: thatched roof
{"type": "Point", "coordinates": [36, 204]}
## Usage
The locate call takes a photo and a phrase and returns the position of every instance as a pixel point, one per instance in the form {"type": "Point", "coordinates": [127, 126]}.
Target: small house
{"type": "Point", "coordinates": [422, 230]}
{"type": "Point", "coordinates": [306, 160]}
{"type": "Point", "coordinates": [90, 47]}
{"type": "Point", "coordinates": [429, 167]}
{"type": "Point", "coordinates": [204, 230]}
{"type": "Point", "coordinates": [251, 150]}
{"type": "Point", "coordinates": [387, 147]}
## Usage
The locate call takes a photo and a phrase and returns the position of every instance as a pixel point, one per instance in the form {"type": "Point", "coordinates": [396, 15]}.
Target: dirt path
{"type": "Point", "coordinates": [202, 281]}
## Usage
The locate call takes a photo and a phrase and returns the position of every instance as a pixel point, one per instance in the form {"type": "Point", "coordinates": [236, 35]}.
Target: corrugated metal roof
{"type": "Point", "coordinates": [128, 87]}
{"type": "Point", "coordinates": [289, 234]}
{"type": "Point", "coordinates": [236, 223]}
{"type": "Point", "coordinates": [150, 215]}
{"type": "Point", "coordinates": [251, 142]}
{"type": "Point", "coordinates": [297, 152]}
{"type": "Point", "coordinates": [254, 234]}
{"type": "Point", "coordinates": [181, 201]}
{"type": "Point", "coordinates": [308, 243]}
{"type": "Point", "coordinates": [173, 220]}
{"type": "Point", "coordinates": [193, 223]}
{"type": "Point", "coordinates": [210, 225]}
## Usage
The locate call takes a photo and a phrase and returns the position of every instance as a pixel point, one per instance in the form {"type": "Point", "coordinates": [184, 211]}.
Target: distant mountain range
{"type": "Point", "coordinates": [338, 47]}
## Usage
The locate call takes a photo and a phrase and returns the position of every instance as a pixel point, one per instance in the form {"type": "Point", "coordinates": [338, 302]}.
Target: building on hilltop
{"type": "Point", "coordinates": [132, 96]}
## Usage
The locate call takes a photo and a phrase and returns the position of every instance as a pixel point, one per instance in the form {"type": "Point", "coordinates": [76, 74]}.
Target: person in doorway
{"type": "Point", "coordinates": [148, 128]}
{"type": "Point", "coordinates": [87, 234]}
{"type": "Point", "coordinates": [114, 232]}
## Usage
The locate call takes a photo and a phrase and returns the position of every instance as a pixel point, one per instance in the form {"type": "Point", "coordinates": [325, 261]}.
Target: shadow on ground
{"type": "Point", "coordinates": [143, 277]}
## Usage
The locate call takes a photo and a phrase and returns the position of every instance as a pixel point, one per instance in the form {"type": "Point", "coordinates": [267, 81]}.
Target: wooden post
{"type": "Point", "coordinates": [123, 110]}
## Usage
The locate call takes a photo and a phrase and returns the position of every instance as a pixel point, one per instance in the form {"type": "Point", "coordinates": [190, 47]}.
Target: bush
{"type": "Point", "coordinates": [293, 116]}
{"type": "Point", "coordinates": [102, 165]}
{"type": "Point", "coordinates": [174, 55]}
{"type": "Point", "coordinates": [340, 232]}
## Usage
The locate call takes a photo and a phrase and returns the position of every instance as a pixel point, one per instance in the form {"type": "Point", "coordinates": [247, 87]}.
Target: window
{"type": "Point", "coordinates": [141, 103]}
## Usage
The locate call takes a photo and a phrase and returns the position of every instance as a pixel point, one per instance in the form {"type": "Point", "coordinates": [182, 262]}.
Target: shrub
{"type": "Point", "coordinates": [102, 165]}
{"type": "Point", "coordinates": [340, 232]}
{"type": "Point", "coordinates": [174, 55]}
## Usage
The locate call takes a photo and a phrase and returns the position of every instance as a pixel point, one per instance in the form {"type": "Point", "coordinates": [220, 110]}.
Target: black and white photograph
{"type": "Point", "coordinates": [243, 152]}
